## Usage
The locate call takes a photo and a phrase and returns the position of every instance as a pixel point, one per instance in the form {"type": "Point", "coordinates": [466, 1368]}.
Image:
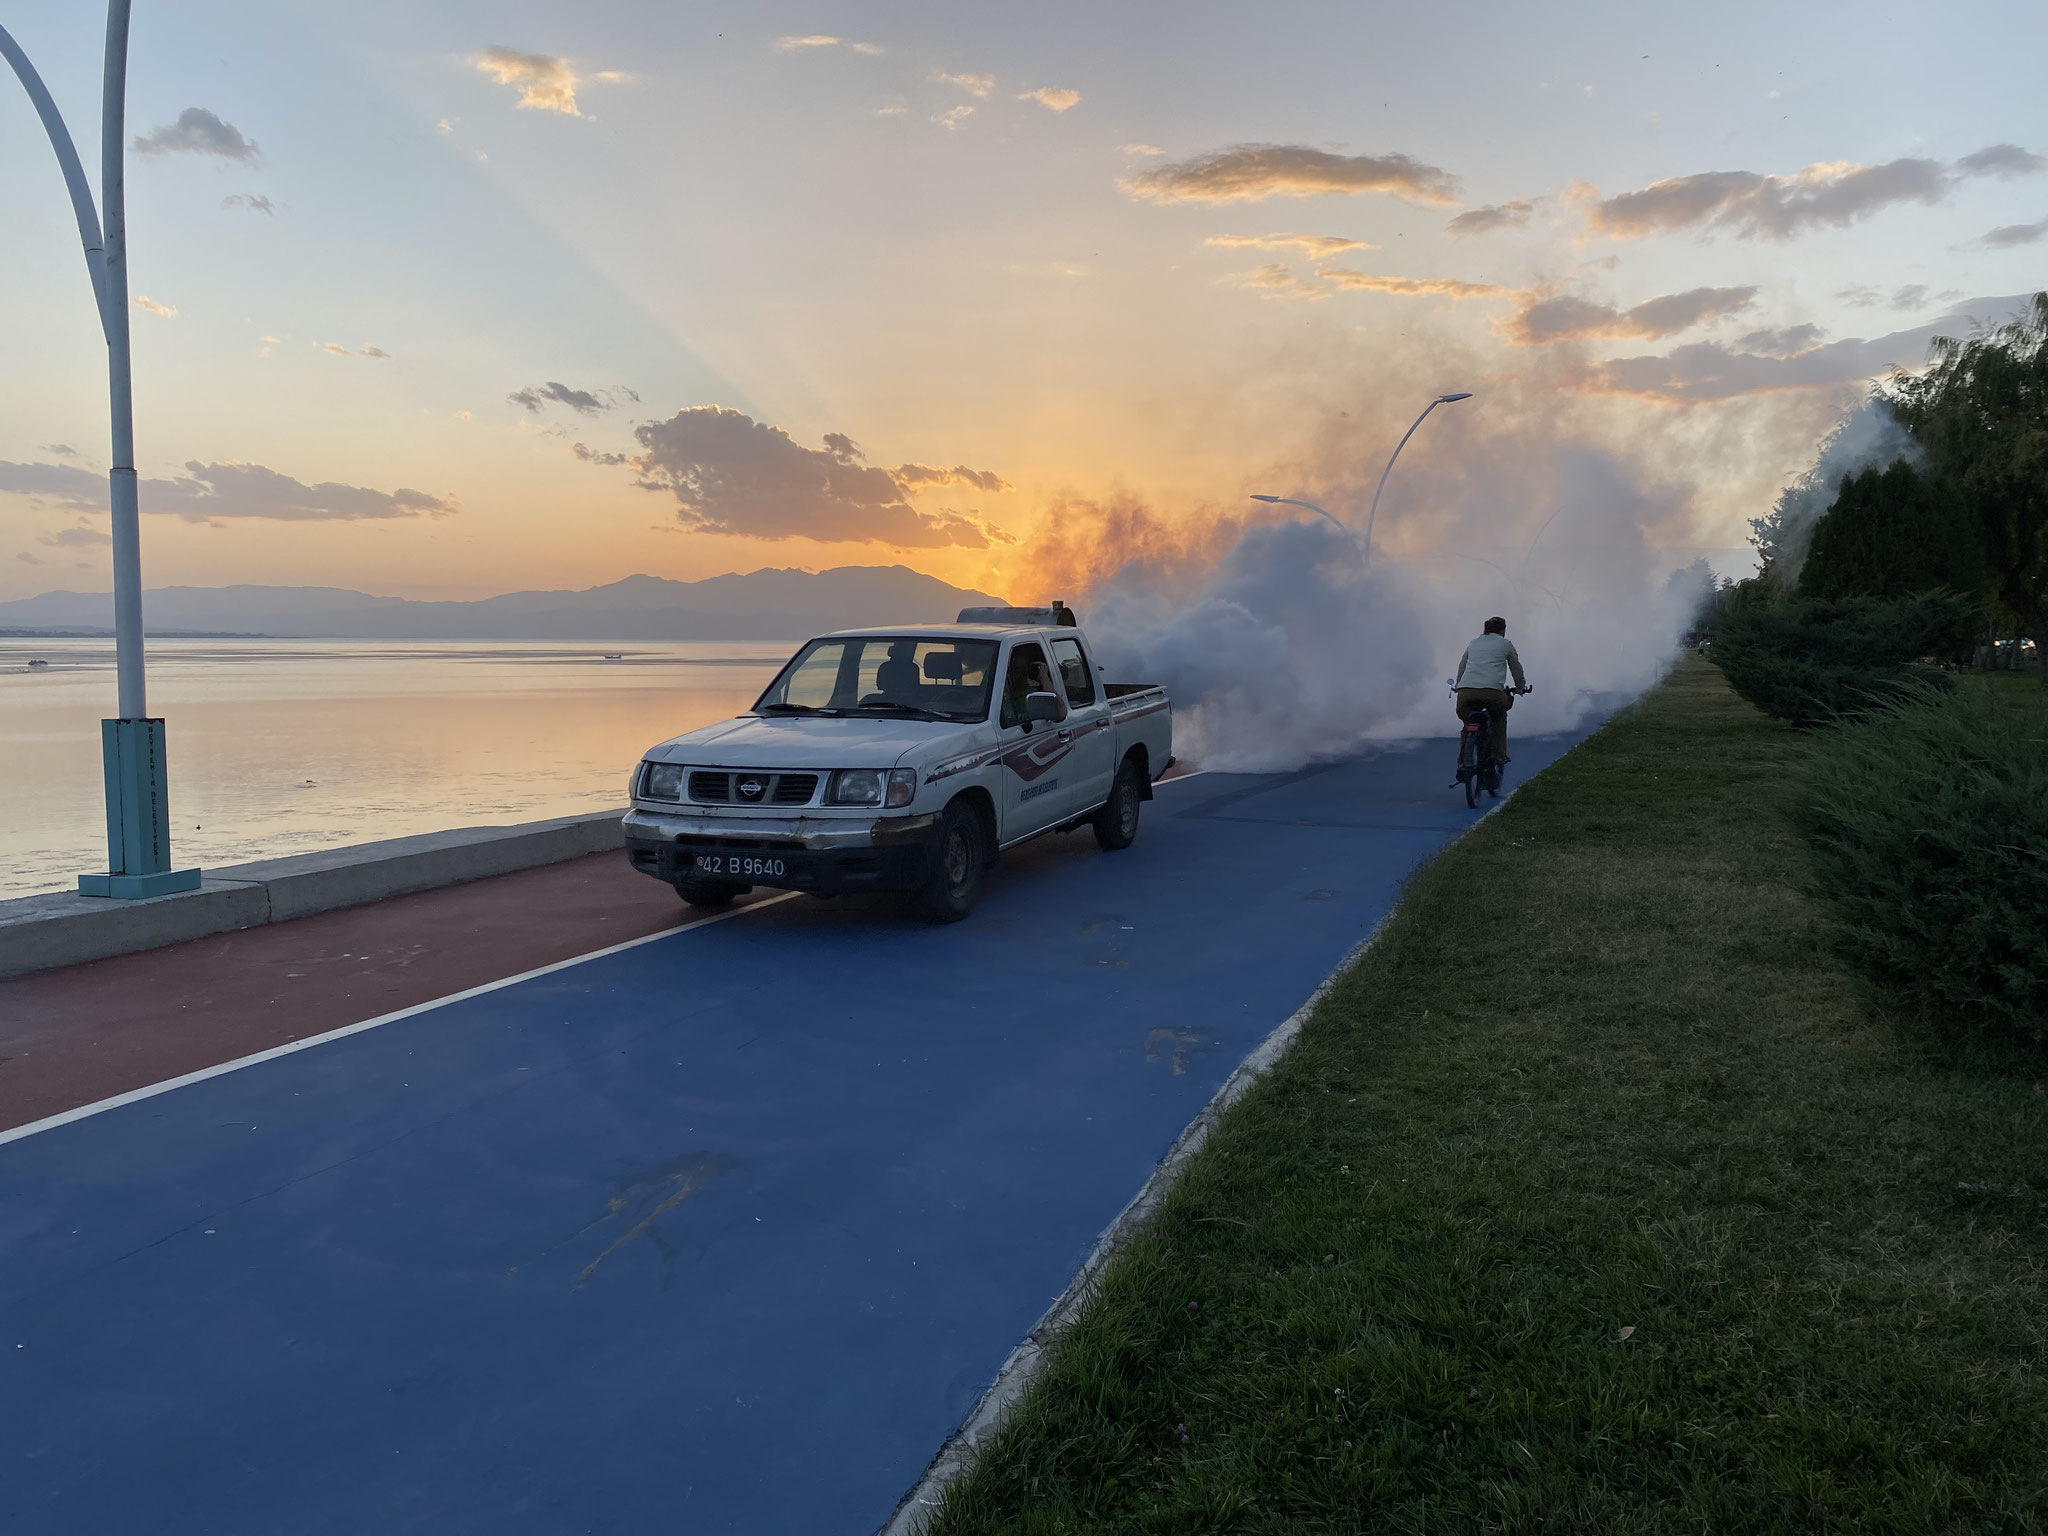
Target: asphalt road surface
{"type": "Point", "coordinates": [725, 1231]}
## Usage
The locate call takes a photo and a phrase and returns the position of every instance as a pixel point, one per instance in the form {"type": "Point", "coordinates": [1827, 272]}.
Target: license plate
{"type": "Point", "coordinates": [743, 865]}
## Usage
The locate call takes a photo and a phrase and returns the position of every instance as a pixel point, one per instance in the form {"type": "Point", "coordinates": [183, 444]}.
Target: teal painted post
{"type": "Point", "coordinates": [138, 815]}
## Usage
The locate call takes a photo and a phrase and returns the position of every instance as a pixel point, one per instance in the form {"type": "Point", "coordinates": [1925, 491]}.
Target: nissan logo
{"type": "Point", "coordinates": [752, 789]}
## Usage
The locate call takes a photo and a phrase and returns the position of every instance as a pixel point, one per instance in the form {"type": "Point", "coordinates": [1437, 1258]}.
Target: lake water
{"type": "Point", "coordinates": [287, 746]}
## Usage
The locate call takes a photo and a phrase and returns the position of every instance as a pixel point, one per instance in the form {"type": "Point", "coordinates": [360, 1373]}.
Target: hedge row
{"type": "Point", "coordinates": [1814, 662]}
{"type": "Point", "coordinates": [1927, 823]}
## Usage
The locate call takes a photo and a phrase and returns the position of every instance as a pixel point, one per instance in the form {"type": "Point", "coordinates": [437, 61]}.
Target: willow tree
{"type": "Point", "coordinates": [1980, 412]}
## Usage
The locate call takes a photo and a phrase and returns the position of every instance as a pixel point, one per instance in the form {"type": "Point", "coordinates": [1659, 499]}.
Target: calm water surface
{"type": "Point", "coordinates": [286, 746]}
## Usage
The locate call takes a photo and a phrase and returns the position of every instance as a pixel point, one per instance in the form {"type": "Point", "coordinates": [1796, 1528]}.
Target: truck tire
{"type": "Point", "coordinates": [958, 860]}
{"type": "Point", "coordinates": [1116, 824]}
{"type": "Point", "coordinates": [699, 892]}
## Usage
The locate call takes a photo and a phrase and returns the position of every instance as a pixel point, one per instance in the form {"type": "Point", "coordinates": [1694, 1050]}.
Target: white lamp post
{"type": "Point", "coordinates": [1289, 501]}
{"type": "Point", "coordinates": [1373, 516]}
{"type": "Point", "coordinates": [132, 747]}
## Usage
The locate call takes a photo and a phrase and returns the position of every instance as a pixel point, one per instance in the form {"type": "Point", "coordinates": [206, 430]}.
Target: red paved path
{"type": "Point", "coordinates": [87, 1032]}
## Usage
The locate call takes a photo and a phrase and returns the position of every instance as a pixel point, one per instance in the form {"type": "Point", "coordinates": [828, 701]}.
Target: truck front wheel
{"type": "Point", "coordinates": [1116, 824]}
{"type": "Point", "coordinates": [958, 860]}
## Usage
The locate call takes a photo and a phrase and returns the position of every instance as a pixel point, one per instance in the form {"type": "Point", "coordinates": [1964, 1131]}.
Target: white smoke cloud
{"type": "Point", "coordinates": [1282, 646]}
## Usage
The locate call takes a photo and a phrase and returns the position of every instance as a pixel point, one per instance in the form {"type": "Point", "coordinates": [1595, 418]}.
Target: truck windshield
{"type": "Point", "coordinates": [905, 675]}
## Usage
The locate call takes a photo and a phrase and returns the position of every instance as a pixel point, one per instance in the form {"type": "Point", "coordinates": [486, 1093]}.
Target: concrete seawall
{"type": "Point", "coordinates": [38, 933]}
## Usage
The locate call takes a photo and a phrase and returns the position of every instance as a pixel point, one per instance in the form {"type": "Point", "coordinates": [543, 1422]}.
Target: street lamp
{"type": "Point", "coordinates": [1289, 501]}
{"type": "Point", "coordinates": [131, 747]}
{"type": "Point", "coordinates": [1373, 515]}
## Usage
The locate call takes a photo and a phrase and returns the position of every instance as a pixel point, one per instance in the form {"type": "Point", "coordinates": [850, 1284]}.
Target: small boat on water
{"type": "Point", "coordinates": [37, 664]}
{"type": "Point", "coordinates": [614, 655]}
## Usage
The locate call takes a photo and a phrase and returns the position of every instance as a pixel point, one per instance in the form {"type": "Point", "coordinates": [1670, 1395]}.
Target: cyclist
{"type": "Point", "coordinates": [1482, 681]}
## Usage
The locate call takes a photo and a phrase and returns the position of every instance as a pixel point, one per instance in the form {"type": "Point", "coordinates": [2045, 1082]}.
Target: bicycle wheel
{"type": "Point", "coordinates": [1471, 777]}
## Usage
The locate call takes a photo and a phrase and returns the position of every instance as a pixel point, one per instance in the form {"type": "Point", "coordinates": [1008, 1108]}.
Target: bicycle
{"type": "Point", "coordinates": [1477, 771]}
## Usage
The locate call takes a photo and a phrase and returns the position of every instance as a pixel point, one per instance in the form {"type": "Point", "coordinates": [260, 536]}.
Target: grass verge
{"type": "Point", "coordinates": [1589, 1200]}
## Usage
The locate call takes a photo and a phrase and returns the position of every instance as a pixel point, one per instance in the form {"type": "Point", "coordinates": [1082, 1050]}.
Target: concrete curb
{"type": "Point", "coordinates": [39, 933]}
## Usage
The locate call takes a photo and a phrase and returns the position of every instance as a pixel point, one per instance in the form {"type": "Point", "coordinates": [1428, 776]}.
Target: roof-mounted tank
{"type": "Point", "coordinates": [1055, 616]}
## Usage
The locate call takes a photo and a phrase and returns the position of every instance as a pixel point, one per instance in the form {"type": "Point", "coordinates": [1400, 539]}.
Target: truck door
{"type": "Point", "coordinates": [1034, 775]}
{"type": "Point", "coordinates": [1088, 731]}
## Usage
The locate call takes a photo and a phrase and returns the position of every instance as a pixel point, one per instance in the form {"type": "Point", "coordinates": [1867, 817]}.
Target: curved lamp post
{"type": "Point", "coordinates": [1289, 501]}
{"type": "Point", "coordinates": [1373, 516]}
{"type": "Point", "coordinates": [131, 747]}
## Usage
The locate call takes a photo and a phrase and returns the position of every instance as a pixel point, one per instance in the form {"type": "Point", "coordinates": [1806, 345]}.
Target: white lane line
{"type": "Point", "coordinates": [136, 1095]}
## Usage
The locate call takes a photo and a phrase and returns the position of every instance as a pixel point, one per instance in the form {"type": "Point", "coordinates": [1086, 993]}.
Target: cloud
{"type": "Point", "coordinates": [1760, 363]}
{"type": "Point", "coordinates": [733, 475]}
{"type": "Point", "coordinates": [546, 83]}
{"type": "Point", "coordinates": [62, 450]}
{"type": "Point", "coordinates": [1053, 100]}
{"type": "Point", "coordinates": [953, 117]}
{"type": "Point", "coordinates": [1141, 151]}
{"type": "Point", "coordinates": [1490, 220]}
{"type": "Point", "coordinates": [1788, 342]}
{"type": "Point", "coordinates": [1831, 194]}
{"type": "Point", "coordinates": [80, 537]}
{"type": "Point", "coordinates": [1544, 320]}
{"type": "Point", "coordinates": [1415, 287]}
{"type": "Point", "coordinates": [2016, 234]}
{"type": "Point", "coordinates": [338, 350]}
{"type": "Point", "coordinates": [208, 491]}
{"type": "Point", "coordinates": [916, 475]}
{"type": "Point", "coordinates": [373, 352]}
{"type": "Point", "coordinates": [973, 85]}
{"type": "Point", "coordinates": [28, 559]}
{"type": "Point", "coordinates": [255, 202]}
{"type": "Point", "coordinates": [582, 401]}
{"type": "Point", "coordinates": [1316, 247]}
{"type": "Point", "coordinates": [196, 132]}
{"type": "Point", "coordinates": [1246, 173]}
{"type": "Point", "coordinates": [894, 109]}
{"type": "Point", "coordinates": [164, 311]}
{"type": "Point", "coordinates": [1275, 281]}
{"type": "Point", "coordinates": [2001, 160]}
{"type": "Point", "coordinates": [821, 40]}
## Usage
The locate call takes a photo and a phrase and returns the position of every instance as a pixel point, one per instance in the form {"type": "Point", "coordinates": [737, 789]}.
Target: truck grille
{"type": "Point", "coordinates": [745, 787]}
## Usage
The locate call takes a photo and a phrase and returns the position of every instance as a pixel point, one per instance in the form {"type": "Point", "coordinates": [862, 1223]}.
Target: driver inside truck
{"type": "Point", "coordinates": [1028, 674]}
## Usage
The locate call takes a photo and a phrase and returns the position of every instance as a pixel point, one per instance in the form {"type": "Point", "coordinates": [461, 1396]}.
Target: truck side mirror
{"type": "Point", "coordinates": [1041, 706]}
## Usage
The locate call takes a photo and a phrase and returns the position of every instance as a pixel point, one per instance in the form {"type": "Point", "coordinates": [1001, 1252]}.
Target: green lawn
{"type": "Point", "coordinates": [1588, 1201]}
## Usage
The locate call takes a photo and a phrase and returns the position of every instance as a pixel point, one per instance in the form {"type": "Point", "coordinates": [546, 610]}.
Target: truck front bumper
{"type": "Point", "coordinates": [823, 857]}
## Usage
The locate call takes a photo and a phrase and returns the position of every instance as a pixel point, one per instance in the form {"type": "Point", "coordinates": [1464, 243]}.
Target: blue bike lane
{"type": "Point", "coordinates": [723, 1232]}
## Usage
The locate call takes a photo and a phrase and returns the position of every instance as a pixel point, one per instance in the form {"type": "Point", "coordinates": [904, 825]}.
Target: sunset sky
{"type": "Point", "coordinates": [444, 299]}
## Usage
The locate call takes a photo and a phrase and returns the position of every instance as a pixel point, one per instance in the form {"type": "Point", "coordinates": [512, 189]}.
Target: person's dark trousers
{"type": "Point", "coordinates": [1500, 701]}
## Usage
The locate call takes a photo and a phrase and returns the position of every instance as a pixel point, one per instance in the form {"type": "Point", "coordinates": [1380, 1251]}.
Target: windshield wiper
{"type": "Point", "coordinates": [793, 709]}
{"type": "Point", "coordinates": [903, 709]}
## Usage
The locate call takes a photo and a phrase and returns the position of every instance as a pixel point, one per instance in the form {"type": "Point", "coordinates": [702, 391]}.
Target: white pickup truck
{"type": "Point", "coordinates": [903, 759]}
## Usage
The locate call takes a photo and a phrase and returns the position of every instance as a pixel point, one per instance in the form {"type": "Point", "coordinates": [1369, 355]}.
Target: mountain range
{"type": "Point", "coordinates": [757, 605]}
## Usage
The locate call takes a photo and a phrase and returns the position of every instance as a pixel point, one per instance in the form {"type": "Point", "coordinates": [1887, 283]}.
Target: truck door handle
{"type": "Point", "coordinates": [1066, 734]}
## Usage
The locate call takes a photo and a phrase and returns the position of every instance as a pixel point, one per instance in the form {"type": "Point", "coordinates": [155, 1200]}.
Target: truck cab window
{"type": "Point", "coordinates": [1075, 676]}
{"type": "Point", "coordinates": [1028, 673]}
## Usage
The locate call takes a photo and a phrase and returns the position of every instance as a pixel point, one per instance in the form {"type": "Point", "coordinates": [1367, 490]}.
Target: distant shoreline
{"type": "Point", "coordinates": [63, 632]}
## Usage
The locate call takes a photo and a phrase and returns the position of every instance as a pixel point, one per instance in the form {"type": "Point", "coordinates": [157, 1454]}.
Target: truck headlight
{"type": "Point", "coordinates": [856, 786]}
{"type": "Point", "coordinates": [902, 787]}
{"type": "Point", "coordinates": [662, 781]}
